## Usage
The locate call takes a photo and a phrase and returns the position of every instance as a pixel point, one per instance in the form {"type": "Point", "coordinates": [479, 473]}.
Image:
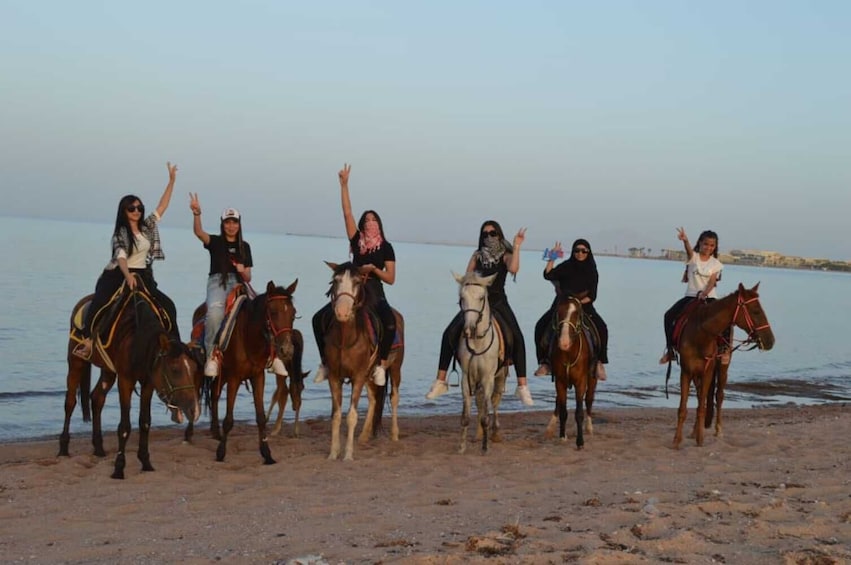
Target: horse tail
{"type": "Point", "coordinates": [205, 393]}
{"type": "Point", "coordinates": [84, 392]}
{"type": "Point", "coordinates": [710, 396]}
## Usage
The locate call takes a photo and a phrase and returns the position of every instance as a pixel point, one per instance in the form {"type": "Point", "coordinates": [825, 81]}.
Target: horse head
{"type": "Point", "coordinates": [568, 320]}
{"type": "Point", "coordinates": [473, 300]}
{"type": "Point", "coordinates": [280, 316]}
{"type": "Point", "coordinates": [173, 375]}
{"type": "Point", "coordinates": [751, 317]}
{"type": "Point", "coordinates": [347, 292]}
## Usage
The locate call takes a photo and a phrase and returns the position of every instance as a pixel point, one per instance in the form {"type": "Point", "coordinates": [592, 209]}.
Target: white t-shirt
{"type": "Point", "coordinates": [699, 273]}
{"type": "Point", "coordinates": [139, 258]}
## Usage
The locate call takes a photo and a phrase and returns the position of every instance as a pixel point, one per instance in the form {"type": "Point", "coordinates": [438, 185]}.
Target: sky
{"type": "Point", "coordinates": [615, 121]}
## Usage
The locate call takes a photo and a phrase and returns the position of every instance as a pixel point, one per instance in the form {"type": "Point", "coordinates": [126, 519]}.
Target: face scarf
{"type": "Point", "coordinates": [370, 238]}
{"type": "Point", "coordinates": [491, 251]}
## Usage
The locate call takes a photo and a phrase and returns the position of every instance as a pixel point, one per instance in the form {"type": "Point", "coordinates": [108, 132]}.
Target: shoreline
{"type": "Point", "coordinates": [773, 488]}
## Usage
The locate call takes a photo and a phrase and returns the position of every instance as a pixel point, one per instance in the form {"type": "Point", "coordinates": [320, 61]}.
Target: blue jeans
{"type": "Point", "coordinates": [216, 297]}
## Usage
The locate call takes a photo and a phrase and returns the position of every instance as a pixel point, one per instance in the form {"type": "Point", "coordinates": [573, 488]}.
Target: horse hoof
{"type": "Point", "coordinates": [117, 475]}
{"type": "Point", "coordinates": [269, 461]}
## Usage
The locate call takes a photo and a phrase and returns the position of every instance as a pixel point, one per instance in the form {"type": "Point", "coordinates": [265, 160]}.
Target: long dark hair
{"type": "Point", "coordinates": [224, 260]}
{"type": "Point", "coordinates": [122, 223]}
{"type": "Point", "coordinates": [710, 235]}
{"type": "Point", "coordinates": [508, 247]}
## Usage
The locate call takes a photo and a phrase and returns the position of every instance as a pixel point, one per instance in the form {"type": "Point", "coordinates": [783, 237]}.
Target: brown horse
{"type": "Point", "coordinates": [698, 348]}
{"type": "Point", "coordinates": [263, 326]}
{"type": "Point", "coordinates": [139, 351]}
{"type": "Point", "coordinates": [571, 362]}
{"type": "Point", "coordinates": [351, 353]}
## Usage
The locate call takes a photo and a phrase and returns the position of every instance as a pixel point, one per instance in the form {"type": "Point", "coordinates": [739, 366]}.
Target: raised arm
{"type": "Point", "coordinates": [681, 235]}
{"type": "Point", "coordinates": [512, 260]}
{"type": "Point", "coordinates": [166, 197]}
{"type": "Point", "coordinates": [195, 206]}
{"type": "Point", "coordinates": [550, 261]}
{"type": "Point", "coordinates": [351, 225]}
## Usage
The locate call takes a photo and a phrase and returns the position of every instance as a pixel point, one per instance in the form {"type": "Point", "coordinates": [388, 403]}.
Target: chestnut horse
{"type": "Point", "coordinates": [263, 325]}
{"type": "Point", "coordinates": [571, 362]}
{"type": "Point", "coordinates": [478, 353]}
{"type": "Point", "coordinates": [139, 351]}
{"type": "Point", "coordinates": [351, 353]}
{"type": "Point", "coordinates": [698, 348]}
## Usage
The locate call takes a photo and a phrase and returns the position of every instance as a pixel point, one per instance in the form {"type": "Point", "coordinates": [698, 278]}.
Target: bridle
{"type": "Point", "coordinates": [574, 329]}
{"type": "Point", "coordinates": [479, 315]}
{"type": "Point", "coordinates": [751, 327]}
{"type": "Point", "coordinates": [270, 324]}
{"type": "Point", "coordinates": [167, 376]}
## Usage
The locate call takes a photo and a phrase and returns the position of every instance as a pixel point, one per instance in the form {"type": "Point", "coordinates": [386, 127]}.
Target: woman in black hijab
{"type": "Point", "coordinates": [575, 277]}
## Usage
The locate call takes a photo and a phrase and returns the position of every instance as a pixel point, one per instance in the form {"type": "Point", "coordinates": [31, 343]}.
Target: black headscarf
{"type": "Point", "coordinates": [573, 277]}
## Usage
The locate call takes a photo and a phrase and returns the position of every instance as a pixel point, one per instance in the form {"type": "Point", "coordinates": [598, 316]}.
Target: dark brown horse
{"type": "Point", "coordinates": [351, 353]}
{"type": "Point", "coordinates": [263, 327]}
{"type": "Point", "coordinates": [571, 362]}
{"type": "Point", "coordinates": [138, 351]}
{"type": "Point", "coordinates": [699, 356]}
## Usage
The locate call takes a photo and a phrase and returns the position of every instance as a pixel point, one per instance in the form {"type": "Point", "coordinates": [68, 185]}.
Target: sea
{"type": "Point", "coordinates": [50, 264]}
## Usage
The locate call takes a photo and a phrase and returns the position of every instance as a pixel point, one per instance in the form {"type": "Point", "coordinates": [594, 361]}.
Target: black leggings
{"type": "Point", "coordinates": [675, 312]}
{"type": "Point", "coordinates": [110, 281]}
{"type": "Point", "coordinates": [508, 322]}
{"type": "Point", "coordinates": [544, 333]}
{"type": "Point", "coordinates": [322, 319]}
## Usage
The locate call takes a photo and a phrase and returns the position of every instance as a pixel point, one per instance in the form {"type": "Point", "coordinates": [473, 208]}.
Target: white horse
{"type": "Point", "coordinates": [478, 354]}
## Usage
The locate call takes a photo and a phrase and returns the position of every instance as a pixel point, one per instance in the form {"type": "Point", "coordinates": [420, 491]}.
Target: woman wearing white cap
{"type": "Point", "coordinates": [230, 264]}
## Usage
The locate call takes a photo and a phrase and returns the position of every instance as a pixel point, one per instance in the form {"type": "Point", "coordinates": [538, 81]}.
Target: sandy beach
{"type": "Point", "coordinates": [775, 488]}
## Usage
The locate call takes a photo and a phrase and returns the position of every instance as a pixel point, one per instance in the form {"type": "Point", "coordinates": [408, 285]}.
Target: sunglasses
{"type": "Point", "coordinates": [581, 250]}
{"type": "Point", "coordinates": [490, 233]}
{"type": "Point", "coordinates": [135, 208]}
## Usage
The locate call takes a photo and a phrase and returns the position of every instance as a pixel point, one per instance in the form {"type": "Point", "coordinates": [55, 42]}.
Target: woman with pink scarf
{"type": "Point", "coordinates": [374, 255]}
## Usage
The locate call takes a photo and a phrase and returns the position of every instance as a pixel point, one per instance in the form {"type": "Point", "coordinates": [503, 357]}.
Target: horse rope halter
{"type": "Point", "coordinates": [479, 315]}
{"type": "Point", "coordinates": [573, 328]}
{"type": "Point", "coordinates": [167, 395]}
{"type": "Point", "coordinates": [274, 331]}
{"type": "Point", "coordinates": [752, 329]}
{"type": "Point", "coordinates": [358, 298]}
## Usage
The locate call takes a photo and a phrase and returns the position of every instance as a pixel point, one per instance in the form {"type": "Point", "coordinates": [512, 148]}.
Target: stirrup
{"type": "Point", "coordinates": [83, 350]}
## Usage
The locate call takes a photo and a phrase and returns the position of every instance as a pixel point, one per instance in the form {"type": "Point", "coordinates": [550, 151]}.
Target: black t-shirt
{"type": "Point", "coordinates": [219, 246]}
{"type": "Point", "coordinates": [496, 291]}
{"type": "Point", "coordinates": [377, 257]}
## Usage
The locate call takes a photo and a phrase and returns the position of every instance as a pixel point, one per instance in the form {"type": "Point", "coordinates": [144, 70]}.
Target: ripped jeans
{"type": "Point", "coordinates": [216, 297]}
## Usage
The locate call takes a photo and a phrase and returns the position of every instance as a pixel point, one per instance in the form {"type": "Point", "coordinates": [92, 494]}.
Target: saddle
{"type": "Point", "coordinates": [233, 304]}
{"type": "Point", "coordinates": [375, 328]}
{"type": "Point", "coordinates": [682, 320]}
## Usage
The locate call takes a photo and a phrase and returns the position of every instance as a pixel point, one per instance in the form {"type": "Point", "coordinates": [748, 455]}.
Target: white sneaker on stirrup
{"type": "Point", "coordinates": [378, 376]}
{"type": "Point", "coordinates": [321, 374]}
{"type": "Point", "coordinates": [277, 367]}
{"type": "Point", "coordinates": [438, 388]}
{"type": "Point", "coordinates": [522, 392]}
{"type": "Point", "coordinates": [211, 368]}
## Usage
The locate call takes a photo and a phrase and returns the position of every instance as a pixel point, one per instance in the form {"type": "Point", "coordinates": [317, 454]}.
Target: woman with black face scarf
{"type": "Point", "coordinates": [575, 277]}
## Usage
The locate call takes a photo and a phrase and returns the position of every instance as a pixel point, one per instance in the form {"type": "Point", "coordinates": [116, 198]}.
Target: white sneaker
{"type": "Point", "coordinates": [277, 367]}
{"type": "Point", "coordinates": [379, 376]}
{"type": "Point", "coordinates": [211, 368]}
{"type": "Point", "coordinates": [522, 392]}
{"type": "Point", "coordinates": [601, 371]}
{"type": "Point", "coordinates": [321, 374]}
{"type": "Point", "coordinates": [438, 388]}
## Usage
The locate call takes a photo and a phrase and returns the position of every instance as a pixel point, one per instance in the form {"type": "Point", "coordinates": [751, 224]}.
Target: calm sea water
{"type": "Point", "coordinates": [51, 264]}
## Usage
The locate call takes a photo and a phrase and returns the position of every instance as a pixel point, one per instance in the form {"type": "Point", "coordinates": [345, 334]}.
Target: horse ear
{"type": "Point", "coordinates": [332, 266]}
{"type": "Point", "coordinates": [741, 287]}
{"type": "Point", "coordinates": [756, 286]}
{"type": "Point", "coordinates": [458, 278]}
{"type": "Point", "coordinates": [291, 288]}
{"type": "Point", "coordinates": [489, 280]}
{"type": "Point", "coordinates": [270, 287]}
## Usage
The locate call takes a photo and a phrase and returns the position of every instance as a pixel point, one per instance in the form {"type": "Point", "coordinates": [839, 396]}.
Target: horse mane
{"type": "Point", "coordinates": [709, 309]}
{"type": "Point", "coordinates": [145, 347]}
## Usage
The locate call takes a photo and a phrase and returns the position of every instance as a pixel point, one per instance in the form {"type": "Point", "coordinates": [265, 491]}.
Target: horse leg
{"type": "Point", "coordinates": [682, 411]}
{"type": "Point", "coordinates": [561, 406]}
{"type": "Point", "coordinates": [702, 393]}
{"type": "Point", "coordinates": [496, 399]}
{"type": "Point", "coordinates": [589, 402]}
{"type": "Point", "coordinates": [295, 396]}
{"type": "Point", "coordinates": [73, 386]}
{"type": "Point", "coordinates": [372, 394]}
{"type": "Point", "coordinates": [719, 397]}
{"type": "Point", "coordinates": [215, 395]}
{"type": "Point", "coordinates": [336, 385]}
{"type": "Point", "coordinates": [276, 399]}
{"type": "Point", "coordinates": [257, 384]}
{"type": "Point", "coordinates": [227, 425]}
{"type": "Point", "coordinates": [465, 412]}
{"type": "Point", "coordinates": [98, 399]}
{"type": "Point", "coordinates": [352, 420]}
{"type": "Point", "coordinates": [483, 397]}
{"type": "Point", "coordinates": [144, 454]}
{"type": "Point", "coordinates": [125, 395]}
{"type": "Point", "coordinates": [579, 415]}
{"type": "Point", "coordinates": [396, 380]}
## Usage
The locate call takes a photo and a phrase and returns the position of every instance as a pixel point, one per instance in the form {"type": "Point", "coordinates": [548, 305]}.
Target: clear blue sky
{"type": "Point", "coordinates": [614, 121]}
